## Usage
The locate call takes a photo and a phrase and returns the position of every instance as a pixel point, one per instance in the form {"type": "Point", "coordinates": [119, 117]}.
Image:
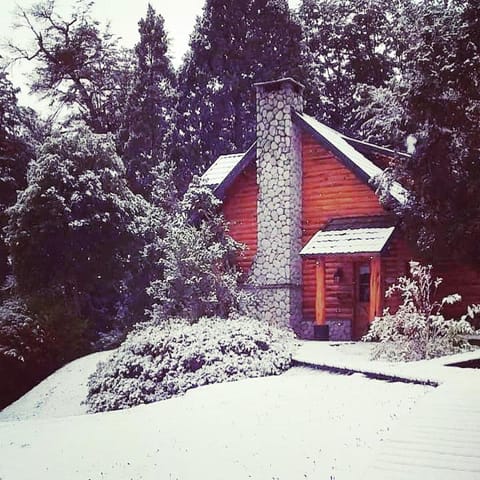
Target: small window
{"type": "Point", "coordinates": [364, 283]}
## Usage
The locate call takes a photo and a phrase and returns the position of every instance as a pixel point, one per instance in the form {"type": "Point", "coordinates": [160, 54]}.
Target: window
{"type": "Point", "coordinates": [363, 282]}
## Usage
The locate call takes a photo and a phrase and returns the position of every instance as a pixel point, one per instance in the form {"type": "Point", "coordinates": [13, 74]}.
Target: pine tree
{"type": "Point", "coordinates": [150, 111]}
{"type": "Point", "coordinates": [15, 153]}
{"type": "Point", "coordinates": [347, 44]}
{"type": "Point", "coordinates": [438, 105]}
{"type": "Point", "coordinates": [234, 45]}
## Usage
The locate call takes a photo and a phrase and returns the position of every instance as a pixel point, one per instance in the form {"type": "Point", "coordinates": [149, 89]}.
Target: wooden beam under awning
{"type": "Point", "coordinates": [320, 291]}
{"type": "Point", "coordinates": [376, 290]}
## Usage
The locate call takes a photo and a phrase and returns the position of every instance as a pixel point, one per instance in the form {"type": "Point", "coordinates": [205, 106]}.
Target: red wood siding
{"type": "Point", "coordinates": [458, 279]}
{"type": "Point", "coordinates": [395, 263]}
{"type": "Point", "coordinates": [240, 211]}
{"type": "Point", "coordinates": [330, 190]}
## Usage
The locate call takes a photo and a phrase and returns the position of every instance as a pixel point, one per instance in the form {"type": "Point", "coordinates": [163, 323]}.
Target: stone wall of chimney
{"type": "Point", "coordinates": [277, 270]}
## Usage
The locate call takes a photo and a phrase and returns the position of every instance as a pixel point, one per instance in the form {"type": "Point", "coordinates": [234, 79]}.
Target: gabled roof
{"type": "Point", "coordinates": [219, 169]}
{"type": "Point", "coordinates": [359, 235]}
{"type": "Point", "coordinates": [345, 151]}
{"type": "Point", "coordinates": [226, 168]}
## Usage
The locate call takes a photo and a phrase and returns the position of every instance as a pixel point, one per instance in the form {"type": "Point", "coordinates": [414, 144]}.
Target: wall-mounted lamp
{"type": "Point", "coordinates": [338, 275]}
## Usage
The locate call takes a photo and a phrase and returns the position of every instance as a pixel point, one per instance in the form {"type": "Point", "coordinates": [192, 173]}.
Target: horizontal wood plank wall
{"type": "Point", "coordinates": [330, 190]}
{"type": "Point", "coordinates": [458, 279]}
{"type": "Point", "coordinates": [240, 211]}
{"type": "Point", "coordinates": [395, 263]}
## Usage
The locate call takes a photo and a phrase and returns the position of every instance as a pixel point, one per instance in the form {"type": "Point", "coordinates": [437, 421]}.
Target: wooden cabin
{"type": "Point", "coordinates": [321, 249]}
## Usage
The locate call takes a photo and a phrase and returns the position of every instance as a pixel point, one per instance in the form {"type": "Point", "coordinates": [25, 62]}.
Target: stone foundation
{"type": "Point", "coordinates": [277, 305]}
{"type": "Point", "coordinates": [340, 329]}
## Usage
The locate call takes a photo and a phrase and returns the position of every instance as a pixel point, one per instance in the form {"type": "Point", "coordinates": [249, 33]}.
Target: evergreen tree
{"type": "Point", "coordinates": [234, 45]}
{"type": "Point", "coordinates": [15, 153]}
{"type": "Point", "coordinates": [438, 103]}
{"type": "Point", "coordinates": [150, 111]}
{"type": "Point", "coordinates": [75, 236]}
{"type": "Point", "coordinates": [347, 44]}
{"type": "Point", "coordinates": [197, 258]}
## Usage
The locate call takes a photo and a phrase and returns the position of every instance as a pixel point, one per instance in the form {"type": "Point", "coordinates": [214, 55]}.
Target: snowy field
{"type": "Point", "coordinates": [304, 424]}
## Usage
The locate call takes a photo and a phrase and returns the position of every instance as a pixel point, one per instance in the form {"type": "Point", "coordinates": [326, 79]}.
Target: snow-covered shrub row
{"type": "Point", "coordinates": [418, 329]}
{"type": "Point", "coordinates": [157, 362]}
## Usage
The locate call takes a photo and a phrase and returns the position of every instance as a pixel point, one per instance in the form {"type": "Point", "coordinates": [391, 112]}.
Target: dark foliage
{"type": "Point", "coordinates": [77, 64]}
{"type": "Point", "coordinates": [26, 351]}
{"type": "Point", "coordinates": [437, 104]}
{"type": "Point", "coordinates": [75, 236]}
{"type": "Point", "coordinates": [150, 112]}
{"type": "Point", "coordinates": [348, 44]}
{"type": "Point", "coordinates": [15, 153]}
{"type": "Point", "coordinates": [234, 45]}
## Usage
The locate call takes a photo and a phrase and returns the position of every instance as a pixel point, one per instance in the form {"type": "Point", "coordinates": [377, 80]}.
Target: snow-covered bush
{"type": "Point", "coordinates": [198, 259]}
{"type": "Point", "coordinates": [418, 329]}
{"type": "Point", "coordinates": [157, 362]}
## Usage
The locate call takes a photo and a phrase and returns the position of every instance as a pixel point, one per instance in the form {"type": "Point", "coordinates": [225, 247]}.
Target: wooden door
{"type": "Point", "coordinates": [362, 299]}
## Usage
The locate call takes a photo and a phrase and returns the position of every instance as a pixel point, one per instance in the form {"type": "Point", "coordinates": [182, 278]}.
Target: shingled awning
{"type": "Point", "coordinates": [357, 235]}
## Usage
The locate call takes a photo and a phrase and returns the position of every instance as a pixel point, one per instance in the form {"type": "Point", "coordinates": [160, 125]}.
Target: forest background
{"type": "Point", "coordinates": [102, 223]}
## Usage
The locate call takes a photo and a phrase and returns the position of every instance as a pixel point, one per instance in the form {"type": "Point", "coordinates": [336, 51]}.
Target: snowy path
{"type": "Point", "coordinates": [355, 357]}
{"type": "Point", "coordinates": [440, 440]}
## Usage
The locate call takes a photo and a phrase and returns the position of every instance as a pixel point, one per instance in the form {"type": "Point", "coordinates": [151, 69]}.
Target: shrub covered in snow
{"type": "Point", "coordinates": [199, 273]}
{"type": "Point", "coordinates": [418, 329]}
{"type": "Point", "coordinates": [157, 362]}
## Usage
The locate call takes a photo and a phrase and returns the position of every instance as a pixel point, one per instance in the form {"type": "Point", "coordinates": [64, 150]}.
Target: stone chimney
{"type": "Point", "coordinates": [277, 270]}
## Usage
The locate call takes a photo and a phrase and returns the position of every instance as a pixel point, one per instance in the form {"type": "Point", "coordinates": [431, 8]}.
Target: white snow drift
{"type": "Point", "coordinates": [302, 424]}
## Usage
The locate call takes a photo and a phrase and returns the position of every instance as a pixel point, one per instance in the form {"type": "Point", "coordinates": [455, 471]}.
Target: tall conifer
{"type": "Point", "coordinates": [347, 44]}
{"type": "Point", "coordinates": [150, 108]}
{"type": "Point", "coordinates": [234, 44]}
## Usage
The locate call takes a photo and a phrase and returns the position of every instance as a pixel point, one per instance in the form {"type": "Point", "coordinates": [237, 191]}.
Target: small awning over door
{"type": "Point", "coordinates": [358, 235]}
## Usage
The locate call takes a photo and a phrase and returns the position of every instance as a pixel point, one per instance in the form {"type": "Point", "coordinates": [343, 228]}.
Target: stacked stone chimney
{"type": "Point", "coordinates": [277, 270]}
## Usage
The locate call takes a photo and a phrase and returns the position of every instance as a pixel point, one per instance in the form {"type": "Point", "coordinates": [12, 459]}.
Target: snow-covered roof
{"type": "Point", "coordinates": [340, 145]}
{"type": "Point", "coordinates": [219, 170]}
{"type": "Point", "coordinates": [351, 235]}
{"type": "Point", "coordinates": [225, 169]}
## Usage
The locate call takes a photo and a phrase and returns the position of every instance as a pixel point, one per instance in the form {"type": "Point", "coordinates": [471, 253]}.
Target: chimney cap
{"type": "Point", "coordinates": [276, 84]}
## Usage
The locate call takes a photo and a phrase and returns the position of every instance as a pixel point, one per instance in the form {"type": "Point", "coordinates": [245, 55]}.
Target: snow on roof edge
{"type": "Point", "coordinates": [349, 241]}
{"type": "Point", "coordinates": [220, 169]}
{"type": "Point", "coordinates": [339, 141]}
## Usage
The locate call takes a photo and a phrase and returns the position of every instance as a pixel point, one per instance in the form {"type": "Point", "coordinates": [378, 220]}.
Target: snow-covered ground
{"type": "Point", "coordinates": [355, 357]}
{"type": "Point", "coordinates": [60, 395]}
{"type": "Point", "coordinates": [303, 424]}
